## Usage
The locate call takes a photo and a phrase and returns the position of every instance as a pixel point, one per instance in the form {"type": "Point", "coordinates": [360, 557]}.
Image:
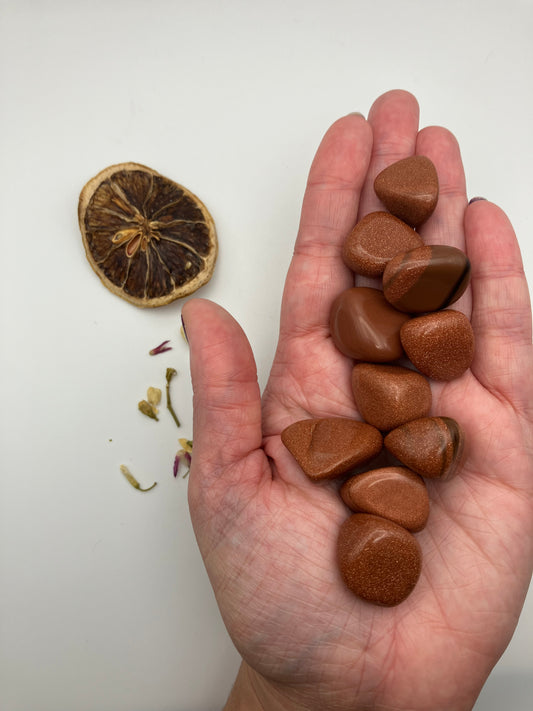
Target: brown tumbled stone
{"type": "Point", "coordinates": [389, 395]}
{"type": "Point", "coordinates": [439, 345]}
{"type": "Point", "coordinates": [364, 326]}
{"type": "Point", "coordinates": [379, 561]}
{"type": "Point", "coordinates": [409, 189]}
{"type": "Point", "coordinates": [426, 278]}
{"type": "Point", "coordinates": [431, 446]}
{"type": "Point", "coordinates": [395, 493]}
{"type": "Point", "coordinates": [376, 239]}
{"type": "Point", "coordinates": [329, 447]}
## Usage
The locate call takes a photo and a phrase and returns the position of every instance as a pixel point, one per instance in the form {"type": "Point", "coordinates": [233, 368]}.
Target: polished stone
{"type": "Point", "coordinates": [364, 326]}
{"type": "Point", "coordinates": [389, 395]}
{"type": "Point", "coordinates": [375, 240]}
{"type": "Point", "coordinates": [440, 345]}
{"type": "Point", "coordinates": [427, 278]}
{"type": "Point", "coordinates": [379, 561]}
{"type": "Point", "coordinates": [395, 493]}
{"type": "Point", "coordinates": [330, 447]}
{"type": "Point", "coordinates": [409, 189]}
{"type": "Point", "coordinates": [431, 446]}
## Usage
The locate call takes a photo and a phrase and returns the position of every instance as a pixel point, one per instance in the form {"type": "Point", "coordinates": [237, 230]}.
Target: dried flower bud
{"type": "Point", "coordinates": [147, 410]}
{"type": "Point", "coordinates": [161, 348]}
{"type": "Point", "coordinates": [183, 456]}
{"type": "Point", "coordinates": [132, 480]}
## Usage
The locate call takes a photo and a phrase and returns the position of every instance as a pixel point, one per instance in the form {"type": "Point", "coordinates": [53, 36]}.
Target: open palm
{"type": "Point", "coordinates": [268, 535]}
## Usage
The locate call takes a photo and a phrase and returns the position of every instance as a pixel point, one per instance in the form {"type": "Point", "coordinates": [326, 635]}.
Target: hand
{"type": "Point", "coordinates": [268, 535]}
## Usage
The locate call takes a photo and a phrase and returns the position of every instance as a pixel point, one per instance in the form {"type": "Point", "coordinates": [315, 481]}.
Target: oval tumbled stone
{"type": "Point", "coordinates": [389, 395]}
{"type": "Point", "coordinates": [364, 326]}
{"type": "Point", "coordinates": [375, 240]}
{"type": "Point", "coordinates": [439, 345]}
{"type": "Point", "coordinates": [431, 446]}
{"type": "Point", "coordinates": [378, 560]}
{"type": "Point", "coordinates": [395, 493]}
{"type": "Point", "coordinates": [409, 189]}
{"type": "Point", "coordinates": [426, 278]}
{"type": "Point", "coordinates": [329, 447]}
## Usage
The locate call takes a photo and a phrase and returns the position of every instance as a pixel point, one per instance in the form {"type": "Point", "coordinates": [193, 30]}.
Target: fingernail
{"type": "Point", "coordinates": [356, 113]}
{"type": "Point", "coordinates": [475, 199]}
{"type": "Point", "coordinates": [183, 331]}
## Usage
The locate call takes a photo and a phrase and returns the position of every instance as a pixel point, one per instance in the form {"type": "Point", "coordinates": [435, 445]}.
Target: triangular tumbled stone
{"type": "Point", "coordinates": [409, 189]}
{"type": "Point", "coordinates": [431, 446]}
{"type": "Point", "coordinates": [330, 447]}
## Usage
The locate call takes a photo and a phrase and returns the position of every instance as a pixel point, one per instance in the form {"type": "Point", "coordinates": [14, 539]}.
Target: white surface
{"type": "Point", "coordinates": [104, 601]}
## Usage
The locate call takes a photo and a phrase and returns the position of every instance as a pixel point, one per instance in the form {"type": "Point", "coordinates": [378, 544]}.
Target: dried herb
{"type": "Point", "coordinates": [183, 456]}
{"type": "Point", "coordinates": [148, 410]}
{"type": "Point", "coordinates": [153, 395]}
{"type": "Point", "coordinates": [169, 375]}
{"type": "Point", "coordinates": [132, 480]}
{"type": "Point", "coordinates": [161, 348]}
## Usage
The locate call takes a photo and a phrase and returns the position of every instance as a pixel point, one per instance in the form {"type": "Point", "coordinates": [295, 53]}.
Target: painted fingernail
{"type": "Point", "coordinates": [183, 331]}
{"type": "Point", "coordinates": [356, 113]}
{"type": "Point", "coordinates": [475, 199]}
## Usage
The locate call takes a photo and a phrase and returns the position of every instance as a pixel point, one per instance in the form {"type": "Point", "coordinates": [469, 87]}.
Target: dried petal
{"type": "Point", "coordinates": [186, 444]}
{"type": "Point", "coordinates": [147, 410]}
{"type": "Point", "coordinates": [153, 396]}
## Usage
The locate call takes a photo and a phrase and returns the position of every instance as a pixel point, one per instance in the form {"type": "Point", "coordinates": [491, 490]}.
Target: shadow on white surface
{"type": "Point", "coordinates": [506, 690]}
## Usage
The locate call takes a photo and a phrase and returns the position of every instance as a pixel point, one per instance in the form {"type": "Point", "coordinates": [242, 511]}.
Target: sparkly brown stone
{"type": "Point", "coordinates": [365, 326]}
{"type": "Point", "coordinates": [409, 189]}
{"type": "Point", "coordinates": [396, 493]}
{"type": "Point", "coordinates": [379, 561]}
{"type": "Point", "coordinates": [389, 395]}
{"type": "Point", "coordinates": [430, 446]}
{"type": "Point", "coordinates": [427, 278]}
{"type": "Point", "coordinates": [439, 345]}
{"type": "Point", "coordinates": [375, 240]}
{"type": "Point", "coordinates": [329, 447]}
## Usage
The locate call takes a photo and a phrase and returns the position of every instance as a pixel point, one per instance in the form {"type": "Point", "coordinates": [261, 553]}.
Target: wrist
{"type": "Point", "coordinates": [251, 692]}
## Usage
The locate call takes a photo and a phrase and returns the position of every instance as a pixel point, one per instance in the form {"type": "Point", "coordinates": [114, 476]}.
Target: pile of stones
{"type": "Point", "coordinates": [400, 337]}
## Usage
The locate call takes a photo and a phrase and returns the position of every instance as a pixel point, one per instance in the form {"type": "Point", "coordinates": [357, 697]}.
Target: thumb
{"type": "Point", "coordinates": [226, 396]}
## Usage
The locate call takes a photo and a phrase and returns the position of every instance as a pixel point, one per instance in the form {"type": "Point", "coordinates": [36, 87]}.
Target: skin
{"type": "Point", "coordinates": [268, 535]}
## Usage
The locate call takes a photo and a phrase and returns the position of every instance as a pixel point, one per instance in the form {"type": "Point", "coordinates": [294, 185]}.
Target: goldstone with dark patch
{"type": "Point", "coordinates": [431, 446]}
{"type": "Point", "coordinates": [427, 278]}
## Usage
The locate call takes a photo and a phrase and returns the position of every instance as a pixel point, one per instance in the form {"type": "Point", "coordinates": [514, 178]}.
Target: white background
{"type": "Point", "coordinates": [104, 602]}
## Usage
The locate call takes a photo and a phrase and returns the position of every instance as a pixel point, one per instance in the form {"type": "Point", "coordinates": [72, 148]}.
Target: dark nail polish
{"type": "Point", "coordinates": [183, 329]}
{"type": "Point", "coordinates": [475, 199]}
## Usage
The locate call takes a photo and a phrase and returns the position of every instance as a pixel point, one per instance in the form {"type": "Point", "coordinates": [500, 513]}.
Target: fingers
{"type": "Point", "coordinates": [227, 408]}
{"type": "Point", "coordinates": [501, 310]}
{"type": "Point", "coordinates": [446, 224]}
{"type": "Point", "coordinates": [394, 119]}
{"type": "Point", "coordinates": [329, 211]}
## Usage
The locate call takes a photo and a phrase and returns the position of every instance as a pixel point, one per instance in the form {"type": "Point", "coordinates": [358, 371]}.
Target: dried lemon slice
{"type": "Point", "coordinates": [150, 240]}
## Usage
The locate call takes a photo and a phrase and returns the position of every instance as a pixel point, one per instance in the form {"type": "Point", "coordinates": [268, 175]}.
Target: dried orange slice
{"type": "Point", "coordinates": [149, 239]}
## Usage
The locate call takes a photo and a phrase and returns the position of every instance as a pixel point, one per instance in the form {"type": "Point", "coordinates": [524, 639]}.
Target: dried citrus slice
{"type": "Point", "coordinates": [150, 240]}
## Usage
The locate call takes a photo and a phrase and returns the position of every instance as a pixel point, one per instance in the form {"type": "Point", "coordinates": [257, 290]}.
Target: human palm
{"type": "Point", "coordinates": [268, 534]}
